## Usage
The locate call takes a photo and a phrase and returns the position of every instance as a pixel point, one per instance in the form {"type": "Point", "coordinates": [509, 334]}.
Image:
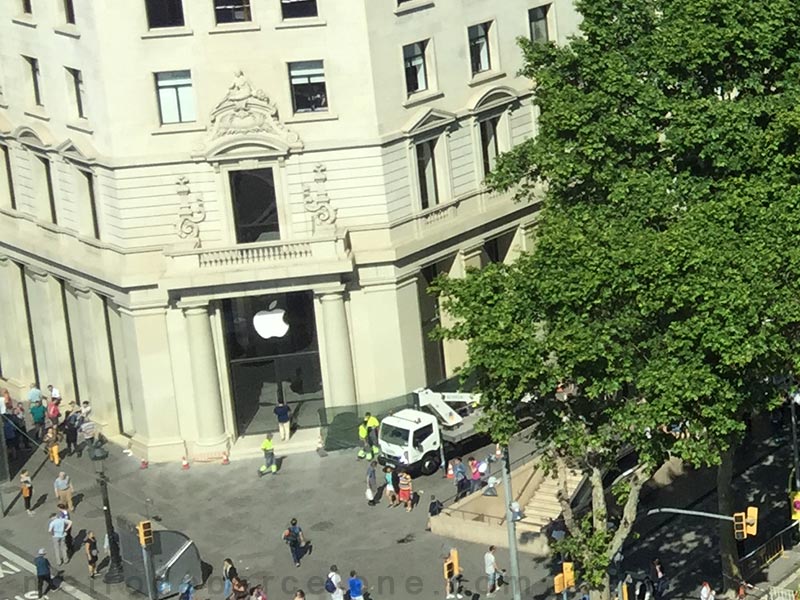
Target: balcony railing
{"type": "Point", "coordinates": [254, 254]}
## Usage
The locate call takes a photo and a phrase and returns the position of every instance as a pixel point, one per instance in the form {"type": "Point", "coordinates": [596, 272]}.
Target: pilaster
{"type": "Point", "coordinates": [16, 352]}
{"type": "Point", "coordinates": [338, 355]}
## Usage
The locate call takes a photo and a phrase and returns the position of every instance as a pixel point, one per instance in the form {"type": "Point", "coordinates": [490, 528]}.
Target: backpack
{"type": "Point", "coordinates": [291, 536]}
{"type": "Point", "coordinates": [330, 587]}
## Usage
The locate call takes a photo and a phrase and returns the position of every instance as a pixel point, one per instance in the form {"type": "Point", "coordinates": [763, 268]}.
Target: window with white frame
{"type": "Point", "coordinates": [75, 80]}
{"type": "Point", "coordinates": [537, 21]}
{"type": "Point", "coordinates": [164, 13]}
{"type": "Point", "coordinates": [490, 146]}
{"type": "Point", "coordinates": [35, 79]}
{"type": "Point", "coordinates": [307, 79]}
{"type": "Point", "coordinates": [426, 173]}
{"type": "Point", "coordinates": [298, 9]}
{"type": "Point", "coordinates": [416, 67]}
{"type": "Point", "coordinates": [176, 102]}
{"type": "Point", "coordinates": [232, 11]}
{"type": "Point", "coordinates": [479, 54]}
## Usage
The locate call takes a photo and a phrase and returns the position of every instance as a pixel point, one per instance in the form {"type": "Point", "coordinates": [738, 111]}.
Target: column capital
{"type": "Point", "coordinates": [79, 289]}
{"type": "Point", "coordinates": [193, 307]}
{"type": "Point", "coordinates": [36, 273]}
{"type": "Point", "coordinates": [333, 293]}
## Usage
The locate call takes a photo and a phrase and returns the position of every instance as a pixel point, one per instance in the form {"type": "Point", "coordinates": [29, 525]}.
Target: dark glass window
{"type": "Point", "coordinates": [232, 11]}
{"type": "Point", "coordinates": [307, 79]}
{"type": "Point", "coordinates": [255, 207]}
{"type": "Point", "coordinates": [164, 13]}
{"type": "Point", "coordinates": [26, 7]}
{"type": "Point", "coordinates": [48, 181]}
{"type": "Point", "coordinates": [77, 90]}
{"type": "Point", "coordinates": [9, 179]}
{"type": "Point", "coordinates": [422, 434]}
{"type": "Point", "coordinates": [33, 65]}
{"type": "Point", "coordinates": [537, 19]}
{"type": "Point", "coordinates": [426, 170]}
{"type": "Point", "coordinates": [489, 146]}
{"type": "Point", "coordinates": [479, 56]}
{"type": "Point", "coordinates": [69, 12]}
{"type": "Point", "coordinates": [298, 9]}
{"type": "Point", "coordinates": [416, 73]}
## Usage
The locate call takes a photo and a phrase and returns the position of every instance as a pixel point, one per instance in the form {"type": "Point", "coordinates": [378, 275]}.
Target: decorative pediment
{"type": "Point", "coordinates": [34, 138]}
{"type": "Point", "coordinates": [493, 98]}
{"type": "Point", "coordinates": [76, 152]}
{"type": "Point", "coordinates": [249, 113]}
{"type": "Point", "coordinates": [429, 119]}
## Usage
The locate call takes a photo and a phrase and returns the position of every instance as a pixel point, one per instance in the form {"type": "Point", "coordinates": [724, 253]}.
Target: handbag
{"type": "Point", "coordinates": [368, 493]}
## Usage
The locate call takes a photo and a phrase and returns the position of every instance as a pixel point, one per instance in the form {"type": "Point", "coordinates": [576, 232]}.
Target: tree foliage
{"type": "Point", "coordinates": [664, 290]}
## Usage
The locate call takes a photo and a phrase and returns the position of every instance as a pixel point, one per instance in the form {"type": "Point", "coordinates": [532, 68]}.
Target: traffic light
{"type": "Point", "coordinates": [145, 531]}
{"type": "Point", "coordinates": [795, 500]}
{"type": "Point", "coordinates": [739, 525]}
{"type": "Point", "coordinates": [751, 525]}
{"type": "Point", "coordinates": [558, 583]}
{"type": "Point", "coordinates": [569, 574]}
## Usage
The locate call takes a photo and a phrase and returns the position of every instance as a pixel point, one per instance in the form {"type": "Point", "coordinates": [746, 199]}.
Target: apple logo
{"type": "Point", "coordinates": [270, 323]}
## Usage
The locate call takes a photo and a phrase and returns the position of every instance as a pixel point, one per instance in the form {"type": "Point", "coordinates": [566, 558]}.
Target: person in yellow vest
{"type": "Point", "coordinates": [268, 448]}
{"type": "Point", "coordinates": [365, 449]}
{"type": "Point", "coordinates": [372, 432]}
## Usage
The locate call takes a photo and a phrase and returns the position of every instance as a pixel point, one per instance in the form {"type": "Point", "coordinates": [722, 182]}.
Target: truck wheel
{"type": "Point", "coordinates": [430, 463]}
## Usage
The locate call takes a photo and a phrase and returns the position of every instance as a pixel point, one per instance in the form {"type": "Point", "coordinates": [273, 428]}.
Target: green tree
{"type": "Point", "coordinates": [663, 292]}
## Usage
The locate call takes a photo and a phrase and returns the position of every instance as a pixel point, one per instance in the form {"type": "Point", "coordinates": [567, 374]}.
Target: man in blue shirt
{"type": "Point", "coordinates": [34, 394]}
{"type": "Point", "coordinates": [43, 573]}
{"type": "Point", "coordinates": [356, 587]}
{"type": "Point", "coordinates": [58, 528]}
{"type": "Point", "coordinates": [284, 415]}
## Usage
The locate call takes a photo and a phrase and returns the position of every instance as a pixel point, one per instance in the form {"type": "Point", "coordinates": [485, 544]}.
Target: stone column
{"type": "Point", "coordinates": [16, 351]}
{"type": "Point", "coordinates": [208, 402]}
{"type": "Point", "coordinates": [339, 358]}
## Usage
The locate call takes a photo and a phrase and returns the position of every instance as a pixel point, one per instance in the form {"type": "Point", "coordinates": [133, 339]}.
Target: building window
{"type": "Point", "coordinates": [298, 9]}
{"type": "Point", "coordinates": [33, 65]}
{"type": "Point", "coordinates": [232, 11]}
{"type": "Point", "coordinates": [45, 182]}
{"type": "Point", "coordinates": [255, 206]}
{"type": "Point", "coordinates": [537, 19]}
{"type": "Point", "coordinates": [308, 86]}
{"type": "Point", "coordinates": [490, 147]}
{"type": "Point", "coordinates": [164, 13]}
{"type": "Point", "coordinates": [69, 12]}
{"type": "Point", "coordinates": [76, 82]}
{"type": "Point", "coordinates": [26, 7]}
{"type": "Point", "coordinates": [479, 56]}
{"type": "Point", "coordinates": [416, 72]}
{"type": "Point", "coordinates": [89, 222]}
{"type": "Point", "coordinates": [7, 178]}
{"type": "Point", "coordinates": [426, 171]}
{"type": "Point", "coordinates": [175, 97]}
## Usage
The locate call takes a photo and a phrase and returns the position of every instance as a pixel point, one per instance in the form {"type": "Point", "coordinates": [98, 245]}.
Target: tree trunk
{"type": "Point", "coordinates": [725, 503]}
{"type": "Point", "coordinates": [563, 495]}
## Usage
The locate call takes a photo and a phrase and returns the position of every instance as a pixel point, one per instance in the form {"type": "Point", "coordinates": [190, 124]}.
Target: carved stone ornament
{"type": "Point", "coordinates": [318, 203]}
{"type": "Point", "coordinates": [190, 212]}
{"type": "Point", "coordinates": [246, 111]}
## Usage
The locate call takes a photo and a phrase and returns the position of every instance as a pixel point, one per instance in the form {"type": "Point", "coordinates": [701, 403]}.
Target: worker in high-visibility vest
{"type": "Point", "coordinates": [372, 432]}
{"type": "Point", "coordinates": [365, 448]}
{"type": "Point", "coordinates": [268, 448]}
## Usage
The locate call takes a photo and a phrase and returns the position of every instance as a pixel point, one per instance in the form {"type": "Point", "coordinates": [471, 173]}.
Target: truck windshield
{"type": "Point", "coordinates": [394, 435]}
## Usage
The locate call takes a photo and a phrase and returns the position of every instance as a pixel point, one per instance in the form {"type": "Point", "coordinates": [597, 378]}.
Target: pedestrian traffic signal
{"type": "Point", "coordinates": [739, 525]}
{"type": "Point", "coordinates": [795, 500]}
{"type": "Point", "coordinates": [568, 569]}
{"type": "Point", "coordinates": [558, 583]}
{"type": "Point", "coordinates": [145, 531]}
{"type": "Point", "coordinates": [751, 525]}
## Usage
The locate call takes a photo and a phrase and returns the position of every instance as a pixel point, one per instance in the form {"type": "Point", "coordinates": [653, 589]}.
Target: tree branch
{"type": "Point", "coordinates": [563, 495]}
{"type": "Point", "coordinates": [640, 475]}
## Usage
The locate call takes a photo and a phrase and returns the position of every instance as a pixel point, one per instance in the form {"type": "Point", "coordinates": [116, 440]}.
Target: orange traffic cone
{"type": "Point", "coordinates": [184, 464]}
{"type": "Point", "coordinates": [450, 470]}
{"type": "Point", "coordinates": [144, 464]}
{"type": "Point", "coordinates": [226, 459]}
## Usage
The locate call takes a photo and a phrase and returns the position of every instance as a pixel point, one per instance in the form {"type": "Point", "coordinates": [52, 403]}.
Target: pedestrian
{"type": "Point", "coordinates": [18, 416]}
{"type": "Point", "coordinates": [333, 584]}
{"type": "Point", "coordinates": [434, 509]}
{"type": "Point", "coordinates": [54, 411]}
{"type": "Point", "coordinates": [228, 573]}
{"type": "Point", "coordinates": [239, 588]}
{"type": "Point", "coordinates": [38, 413]}
{"type": "Point", "coordinates": [706, 593]}
{"type": "Point", "coordinates": [51, 442]}
{"type": "Point", "coordinates": [26, 489]}
{"type": "Point", "coordinates": [68, 541]}
{"type": "Point", "coordinates": [372, 483]}
{"type": "Point", "coordinates": [299, 595]}
{"type": "Point", "coordinates": [406, 492]}
{"type": "Point", "coordinates": [90, 545]}
{"type": "Point", "coordinates": [474, 474]}
{"type": "Point", "coordinates": [356, 586]}
{"type": "Point", "coordinates": [492, 571]}
{"type": "Point", "coordinates": [86, 410]}
{"type": "Point", "coordinates": [284, 414]}
{"type": "Point", "coordinates": [258, 593]}
{"type": "Point", "coordinates": [10, 433]}
{"type": "Point", "coordinates": [34, 394]}
{"type": "Point", "coordinates": [390, 489]}
{"type": "Point", "coordinates": [7, 403]}
{"type": "Point", "coordinates": [293, 536]}
{"type": "Point", "coordinates": [55, 394]}
{"type": "Point", "coordinates": [43, 573]}
{"type": "Point", "coordinates": [461, 479]}
{"type": "Point", "coordinates": [71, 432]}
{"type": "Point", "coordinates": [268, 448]}
{"type": "Point", "coordinates": [64, 491]}
{"type": "Point", "coordinates": [658, 577]}
{"type": "Point", "coordinates": [58, 528]}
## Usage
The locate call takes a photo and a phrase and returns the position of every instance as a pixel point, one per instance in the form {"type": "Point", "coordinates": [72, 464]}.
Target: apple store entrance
{"type": "Point", "coordinates": [273, 355]}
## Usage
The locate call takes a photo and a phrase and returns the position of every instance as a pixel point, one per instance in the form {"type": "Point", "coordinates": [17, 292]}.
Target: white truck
{"type": "Point", "coordinates": [416, 437]}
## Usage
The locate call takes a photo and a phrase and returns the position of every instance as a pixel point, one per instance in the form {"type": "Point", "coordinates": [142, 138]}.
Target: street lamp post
{"type": "Point", "coordinates": [794, 399]}
{"type": "Point", "coordinates": [114, 573]}
{"type": "Point", "coordinates": [511, 526]}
